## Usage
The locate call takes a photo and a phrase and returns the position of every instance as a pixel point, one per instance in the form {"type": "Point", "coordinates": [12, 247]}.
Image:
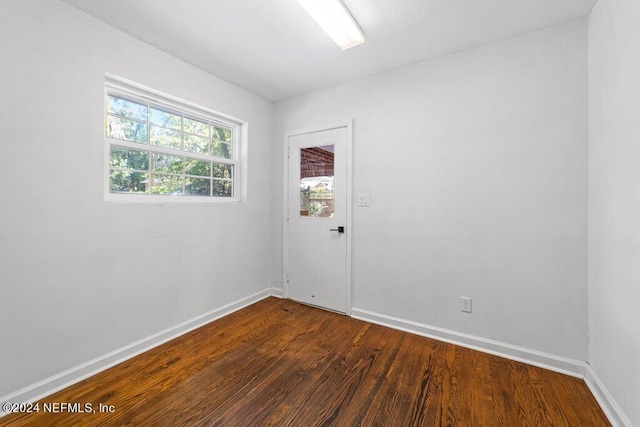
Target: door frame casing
{"type": "Point", "coordinates": [348, 124]}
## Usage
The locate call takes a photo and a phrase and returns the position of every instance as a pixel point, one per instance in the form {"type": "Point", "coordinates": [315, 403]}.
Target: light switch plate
{"type": "Point", "coordinates": [363, 199]}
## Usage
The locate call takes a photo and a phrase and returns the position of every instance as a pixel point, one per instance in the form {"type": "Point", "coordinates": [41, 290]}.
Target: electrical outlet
{"type": "Point", "coordinates": [465, 304]}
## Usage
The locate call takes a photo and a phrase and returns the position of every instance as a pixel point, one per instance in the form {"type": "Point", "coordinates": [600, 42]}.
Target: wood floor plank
{"type": "Point", "coordinates": [279, 382]}
{"type": "Point", "coordinates": [397, 402]}
{"type": "Point", "coordinates": [281, 363]}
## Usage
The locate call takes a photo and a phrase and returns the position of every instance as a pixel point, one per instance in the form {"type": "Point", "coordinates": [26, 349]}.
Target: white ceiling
{"type": "Point", "coordinates": [275, 50]}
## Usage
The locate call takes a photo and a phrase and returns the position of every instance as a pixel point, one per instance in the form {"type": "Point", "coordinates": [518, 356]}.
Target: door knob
{"type": "Point", "coordinates": [339, 229]}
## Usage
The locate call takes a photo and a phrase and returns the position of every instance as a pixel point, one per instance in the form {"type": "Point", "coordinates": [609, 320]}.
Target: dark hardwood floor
{"type": "Point", "coordinates": [282, 363]}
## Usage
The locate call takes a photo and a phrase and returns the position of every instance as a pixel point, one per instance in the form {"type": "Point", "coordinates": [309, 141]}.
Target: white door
{"type": "Point", "coordinates": [317, 218]}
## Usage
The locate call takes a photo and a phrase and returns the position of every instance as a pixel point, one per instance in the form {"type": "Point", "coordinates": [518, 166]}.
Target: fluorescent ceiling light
{"type": "Point", "coordinates": [335, 20]}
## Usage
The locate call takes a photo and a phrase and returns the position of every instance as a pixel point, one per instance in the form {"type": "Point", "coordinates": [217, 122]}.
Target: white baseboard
{"type": "Point", "coordinates": [563, 365]}
{"type": "Point", "coordinates": [48, 386]}
{"type": "Point", "coordinates": [574, 368]}
{"type": "Point", "coordinates": [608, 404]}
{"type": "Point", "coordinates": [566, 366]}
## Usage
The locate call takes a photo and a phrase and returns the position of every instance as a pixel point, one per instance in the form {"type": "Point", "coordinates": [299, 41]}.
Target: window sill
{"type": "Point", "coordinates": [153, 199]}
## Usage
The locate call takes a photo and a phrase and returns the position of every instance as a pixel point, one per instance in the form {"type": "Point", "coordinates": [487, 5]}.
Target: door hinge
{"type": "Point", "coordinates": [287, 277]}
{"type": "Point", "coordinates": [288, 152]}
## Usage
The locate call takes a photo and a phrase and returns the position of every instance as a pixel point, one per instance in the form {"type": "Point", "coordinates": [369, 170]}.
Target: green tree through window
{"type": "Point", "coordinates": [157, 149]}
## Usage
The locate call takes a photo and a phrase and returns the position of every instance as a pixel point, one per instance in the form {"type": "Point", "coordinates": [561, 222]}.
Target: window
{"type": "Point", "coordinates": [317, 193]}
{"type": "Point", "coordinates": [160, 150]}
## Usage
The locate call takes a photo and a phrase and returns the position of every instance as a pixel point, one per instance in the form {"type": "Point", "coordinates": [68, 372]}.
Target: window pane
{"type": "Point", "coordinates": [197, 187]}
{"type": "Point", "coordinates": [196, 144]}
{"type": "Point", "coordinates": [128, 182]}
{"type": "Point", "coordinates": [197, 167]}
{"type": "Point", "coordinates": [126, 108]}
{"type": "Point", "coordinates": [166, 138]}
{"type": "Point", "coordinates": [221, 134]}
{"type": "Point", "coordinates": [316, 182]}
{"type": "Point", "coordinates": [222, 188]}
{"type": "Point", "coordinates": [220, 149]}
{"type": "Point", "coordinates": [127, 130]}
{"type": "Point", "coordinates": [162, 117]}
{"type": "Point", "coordinates": [166, 184]}
{"type": "Point", "coordinates": [128, 159]}
{"type": "Point", "coordinates": [196, 126]}
{"type": "Point", "coordinates": [222, 171]}
{"type": "Point", "coordinates": [167, 164]}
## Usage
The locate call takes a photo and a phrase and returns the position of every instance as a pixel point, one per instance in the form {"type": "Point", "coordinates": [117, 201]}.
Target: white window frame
{"type": "Point", "coordinates": [127, 89]}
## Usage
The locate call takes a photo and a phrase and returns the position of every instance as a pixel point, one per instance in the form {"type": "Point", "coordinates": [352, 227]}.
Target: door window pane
{"type": "Point", "coordinates": [317, 192]}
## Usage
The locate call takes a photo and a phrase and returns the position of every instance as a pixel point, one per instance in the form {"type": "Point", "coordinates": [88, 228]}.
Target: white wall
{"type": "Point", "coordinates": [614, 200]}
{"type": "Point", "coordinates": [476, 164]}
{"type": "Point", "coordinates": [78, 277]}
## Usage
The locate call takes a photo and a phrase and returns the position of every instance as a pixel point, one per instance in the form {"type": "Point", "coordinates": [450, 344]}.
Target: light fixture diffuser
{"type": "Point", "coordinates": [334, 18]}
